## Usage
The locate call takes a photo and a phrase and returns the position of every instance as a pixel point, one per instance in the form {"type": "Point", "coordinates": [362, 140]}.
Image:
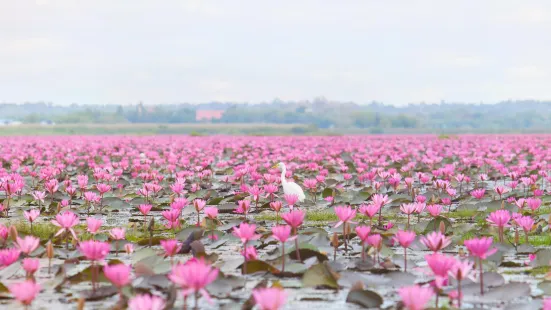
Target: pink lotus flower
{"type": "Point", "coordinates": [375, 241]}
{"type": "Point", "coordinates": [82, 181]}
{"type": "Point", "coordinates": [117, 233]}
{"type": "Point", "coordinates": [31, 215]}
{"type": "Point", "coordinates": [211, 212]}
{"type": "Point", "coordinates": [8, 257]}
{"type": "Point", "coordinates": [171, 215]}
{"type": "Point", "coordinates": [435, 241]}
{"type": "Point", "coordinates": [129, 248]}
{"type": "Point", "coordinates": [440, 266]}
{"type": "Point", "coordinates": [25, 292]}
{"type": "Point", "coordinates": [500, 190]}
{"type": "Point", "coordinates": [103, 188]}
{"type": "Point", "coordinates": [526, 223]}
{"type": "Point", "coordinates": [243, 207]}
{"type": "Point", "coordinates": [66, 220]}
{"type": "Point", "coordinates": [434, 210]}
{"type": "Point", "coordinates": [39, 196]}
{"type": "Point", "coordinates": [345, 215]}
{"type": "Point", "coordinates": [369, 210]}
{"type": "Point", "coordinates": [499, 218]}
{"type": "Point", "coordinates": [245, 232]}
{"type": "Point", "coordinates": [415, 297]}
{"type": "Point", "coordinates": [404, 237]}
{"type": "Point", "coordinates": [291, 199]}
{"type": "Point", "coordinates": [94, 250]}
{"type": "Point", "coordinates": [276, 205]}
{"type": "Point", "coordinates": [171, 247]}
{"type": "Point", "coordinates": [380, 200]}
{"type": "Point", "coordinates": [480, 247]}
{"type": "Point", "coordinates": [93, 224]}
{"type": "Point", "coordinates": [250, 253]}
{"type": "Point", "coordinates": [363, 232]}
{"type": "Point", "coordinates": [460, 271]}
{"type": "Point", "coordinates": [294, 218]}
{"type": "Point", "coordinates": [28, 244]}
{"type": "Point", "coordinates": [281, 233]}
{"type": "Point", "coordinates": [177, 188]}
{"type": "Point", "coordinates": [478, 193]}
{"type": "Point", "coordinates": [408, 208]}
{"type": "Point", "coordinates": [193, 277]}
{"type": "Point", "coordinates": [118, 274]}
{"type": "Point", "coordinates": [91, 197]}
{"type": "Point", "coordinates": [533, 203]}
{"type": "Point", "coordinates": [145, 208]}
{"type": "Point", "coordinates": [146, 302]}
{"type": "Point", "coordinates": [269, 298]}
{"type": "Point", "coordinates": [199, 204]}
{"type": "Point", "coordinates": [30, 265]}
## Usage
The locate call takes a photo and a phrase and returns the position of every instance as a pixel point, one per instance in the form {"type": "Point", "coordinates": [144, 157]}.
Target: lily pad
{"type": "Point", "coordinates": [365, 298]}
{"type": "Point", "coordinates": [321, 275]}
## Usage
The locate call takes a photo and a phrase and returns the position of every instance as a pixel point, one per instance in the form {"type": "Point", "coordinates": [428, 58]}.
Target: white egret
{"type": "Point", "coordinates": [290, 188]}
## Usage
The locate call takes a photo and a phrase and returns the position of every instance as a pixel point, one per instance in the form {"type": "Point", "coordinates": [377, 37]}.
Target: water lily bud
{"type": "Point", "coordinates": [80, 303]}
{"type": "Point", "coordinates": [442, 227]}
{"type": "Point", "coordinates": [50, 249]}
{"type": "Point", "coordinates": [335, 240]}
{"type": "Point", "coordinates": [13, 233]}
{"type": "Point", "coordinates": [129, 248]}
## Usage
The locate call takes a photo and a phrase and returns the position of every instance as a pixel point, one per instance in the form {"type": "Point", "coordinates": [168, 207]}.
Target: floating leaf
{"type": "Point", "coordinates": [115, 203]}
{"type": "Point", "coordinates": [320, 275]}
{"type": "Point", "coordinates": [100, 293]}
{"type": "Point", "coordinates": [254, 266]}
{"type": "Point", "coordinates": [505, 293]}
{"type": "Point", "coordinates": [307, 253]}
{"type": "Point", "coordinates": [543, 257]}
{"type": "Point", "coordinates": [434, 224]}
{"type": "Point", "coordinates": [365, 298]}
{"type": "Point", "coordinates": [545, 286]}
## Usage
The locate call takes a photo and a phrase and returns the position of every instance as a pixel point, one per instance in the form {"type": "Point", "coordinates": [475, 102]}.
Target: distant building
{"type": "Point", "coordinates": [47, 123]}
{"type": "Point", "coordinates": [208, 115]}
{"type": "Point", "coordinates": [9, 122]}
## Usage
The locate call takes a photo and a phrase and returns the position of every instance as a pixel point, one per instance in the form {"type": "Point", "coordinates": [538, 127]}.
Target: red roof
{"type": "Point", "coordinates": [208, 114]}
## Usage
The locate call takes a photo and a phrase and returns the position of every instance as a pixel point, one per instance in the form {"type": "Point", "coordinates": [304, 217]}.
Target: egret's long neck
{"type": "Point", "coordinates": [283, 173]}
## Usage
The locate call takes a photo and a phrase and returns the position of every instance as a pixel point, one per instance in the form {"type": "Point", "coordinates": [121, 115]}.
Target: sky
{"type": "Point", "coordinates": [167, 51]}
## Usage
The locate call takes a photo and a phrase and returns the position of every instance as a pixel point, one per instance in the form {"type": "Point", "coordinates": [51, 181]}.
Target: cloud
{"type": "Point", "coordinates": [246, 50]}
{"type": "Point", "coordinates": [526, 72]}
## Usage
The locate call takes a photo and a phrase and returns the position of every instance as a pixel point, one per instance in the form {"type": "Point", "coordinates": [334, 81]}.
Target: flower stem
{"type": "Point", "coordinates": [405, 259]}
{"type": "Point", "coordinates": [459, 294]}
{"type": "Point", "coordinates": [283, 257]}
{"type": "Point", "coordinates": [481, 277]}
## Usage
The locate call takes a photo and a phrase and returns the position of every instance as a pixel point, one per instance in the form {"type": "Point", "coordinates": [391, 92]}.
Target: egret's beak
{"type": "Point", "coordinates": [274, 166]}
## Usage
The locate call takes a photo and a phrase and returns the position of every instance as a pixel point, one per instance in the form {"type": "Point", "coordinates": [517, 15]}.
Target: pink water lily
{"type": "Point", "coordinates": [66, 220]}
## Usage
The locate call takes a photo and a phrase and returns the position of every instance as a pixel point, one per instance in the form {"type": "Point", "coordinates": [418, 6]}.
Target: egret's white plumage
{"type": "Point", "coordinates": [290, 187]}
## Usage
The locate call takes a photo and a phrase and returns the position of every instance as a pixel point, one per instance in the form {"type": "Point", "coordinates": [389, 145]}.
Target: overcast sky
{"type": "Point", "coordinates": [163, 51]}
